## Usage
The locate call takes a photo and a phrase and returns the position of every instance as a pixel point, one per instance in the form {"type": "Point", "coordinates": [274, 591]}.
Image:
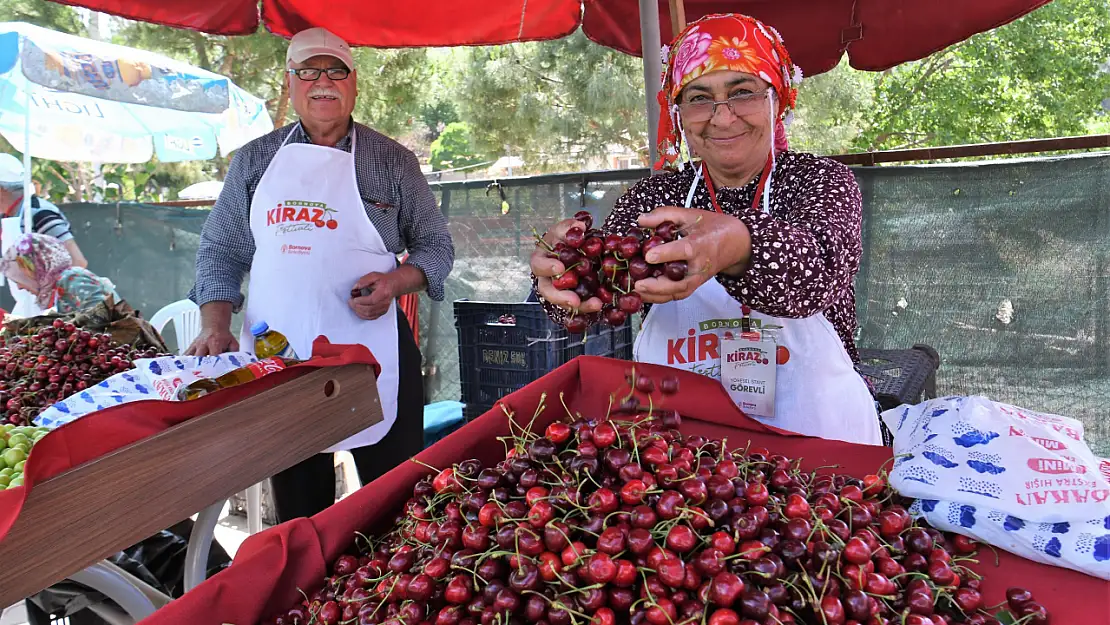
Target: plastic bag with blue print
{"type": "Point", "coordinates": [151, 378]}
{"type": "Point", "coordinates": [976, 452]}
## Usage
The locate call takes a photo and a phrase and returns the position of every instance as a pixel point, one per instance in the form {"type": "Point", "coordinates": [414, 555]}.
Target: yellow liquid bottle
{"type": "Point", "coordinates": [268, 343]}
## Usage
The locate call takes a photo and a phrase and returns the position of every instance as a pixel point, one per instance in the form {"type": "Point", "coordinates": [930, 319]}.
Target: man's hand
{"type": "Point", "coordinates": [213, 341]}
{"type": "Point", "coordinates": [546, 268]}
{"type": "Point", "coordinates": [712, 243]}
{"type": "Point", "coordinates": [215, 334]}
{"type": "Point", "coordinates": [383, 292]}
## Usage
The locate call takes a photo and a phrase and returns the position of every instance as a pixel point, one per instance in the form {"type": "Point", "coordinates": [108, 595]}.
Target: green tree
{"type": "Point", "coordinates": [832, 109]}
{"type": "Point", "coordinates": [452, 149]}
{"type": "Point", "coordinates": [1040, 76]}
{"type": "Point", "coordinates": [41, 13]}
{"type": "Point", "coordinates": [554, 103]}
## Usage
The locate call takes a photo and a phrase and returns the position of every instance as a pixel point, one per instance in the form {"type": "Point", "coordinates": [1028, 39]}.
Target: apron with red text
{"type": "Point", "coordinates": [817, 389]}
{"type": "Point", "coordinates": [313, 241]}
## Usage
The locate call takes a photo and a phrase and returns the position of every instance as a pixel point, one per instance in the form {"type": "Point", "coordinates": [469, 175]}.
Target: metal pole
{"type": "Point", "coordinates": [651, 44]}
{"type": "Point", "coordinates": [28, 188]}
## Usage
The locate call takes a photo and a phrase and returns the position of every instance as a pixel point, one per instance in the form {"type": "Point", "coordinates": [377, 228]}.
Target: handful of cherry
{"type": "Point", "coordinates": [609, 266]}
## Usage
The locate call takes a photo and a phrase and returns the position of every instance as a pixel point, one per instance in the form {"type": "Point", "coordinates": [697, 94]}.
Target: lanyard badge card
{"type": "Point", "coordinates": [748, 364]}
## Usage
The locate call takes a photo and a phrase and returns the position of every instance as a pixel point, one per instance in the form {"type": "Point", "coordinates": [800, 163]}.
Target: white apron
{"type": "Point", "coordinates": [26, 304]}
{"type": "Point", "coordinates": [313, 241]}
{"type": "Point", "coordinates": [817, 391]}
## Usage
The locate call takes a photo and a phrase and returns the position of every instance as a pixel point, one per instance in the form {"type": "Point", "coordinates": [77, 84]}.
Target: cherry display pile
{"type": "Point", "coordinates": [627, 521]}
{"type": "Point", "coordinates": [608, 266]}
{"type": "Point", "coordinates": [39, 369]}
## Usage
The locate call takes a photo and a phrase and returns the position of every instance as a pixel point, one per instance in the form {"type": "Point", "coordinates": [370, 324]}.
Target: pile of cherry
{"type": "Point", "coordinates": [608, 266]}
{"type": "Point", "coordinates": [58, 360]}
{"type": "Point", "coordinates": [627, 521]}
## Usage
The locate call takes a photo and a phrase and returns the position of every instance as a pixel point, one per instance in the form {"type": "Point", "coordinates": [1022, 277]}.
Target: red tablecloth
{"type": "Point", "coordinates": [107, 430]}
{"type": "Point", "coordinates": [272, 565]}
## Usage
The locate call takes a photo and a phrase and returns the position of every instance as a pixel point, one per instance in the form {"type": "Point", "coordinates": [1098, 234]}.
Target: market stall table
{"type": "Point", "coordinates": [270, 567]}
{"type": "Point", "coordinates": [108, 480]}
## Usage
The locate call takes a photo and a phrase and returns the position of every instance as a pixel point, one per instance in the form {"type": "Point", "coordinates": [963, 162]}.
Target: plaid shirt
{"type": "Point", "coordinates": [394, 193]}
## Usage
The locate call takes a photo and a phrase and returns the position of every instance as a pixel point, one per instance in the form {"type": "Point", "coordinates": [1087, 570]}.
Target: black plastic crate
{"type": "Point", "coordinates": [900, 376]}
{"type": "Point", "coordinates": [503, 347]}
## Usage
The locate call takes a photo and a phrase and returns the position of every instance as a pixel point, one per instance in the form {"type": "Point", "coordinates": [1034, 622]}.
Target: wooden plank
{"type": "Point", "coordinates": [95, 510]}
{"type": "Point", "coordinates": [678, 16]}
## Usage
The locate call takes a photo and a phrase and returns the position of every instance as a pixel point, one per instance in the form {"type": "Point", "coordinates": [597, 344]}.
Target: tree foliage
{"type": "Point", "coordinates": [453, 149]}
{"type": "Point", "coordinates": [1043, 75]}
{"type": "Point", "coordinates": [554, 103]}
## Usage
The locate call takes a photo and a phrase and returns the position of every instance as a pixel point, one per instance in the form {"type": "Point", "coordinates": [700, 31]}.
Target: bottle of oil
{"type": "Point", "coordinates": [269, 342]}
{"type": "Point", "coordinates": [242, 375]}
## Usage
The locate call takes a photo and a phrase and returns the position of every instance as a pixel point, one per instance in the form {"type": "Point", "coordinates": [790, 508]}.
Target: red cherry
{"type": "Point", "coordinates": [574, 237]}
{"type": "Point", "coordinates": [601, 568]}
{"type": "Point", "coordinates": [681, 539]}
{"type": "Point", "coordinates": [796, 507]}
{"type": "Point", "coordinates": [725, 588]}
{"type": "Point", "coordinates": [614, 316]}
{"type": "Point", "coordinates": [565, 281]}
{"type": "Point", "coordinates": [577, 324]}
{"type": "Point", "coordinates": [604, 435]}
{"type": "Point", "coordinates": [757, 494]}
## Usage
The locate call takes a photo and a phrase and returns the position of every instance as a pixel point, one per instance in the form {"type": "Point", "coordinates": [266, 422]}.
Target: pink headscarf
{"type": "Point", "coordinates": [719, 42]}
{"type": "Point", "coordinates": [37, 260]}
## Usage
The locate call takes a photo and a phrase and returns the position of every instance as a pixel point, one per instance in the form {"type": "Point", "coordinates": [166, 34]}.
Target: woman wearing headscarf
{"type": "Point", "coordinates": [771, 239]}
{"type": "Point", "coordinates": [41, 265]}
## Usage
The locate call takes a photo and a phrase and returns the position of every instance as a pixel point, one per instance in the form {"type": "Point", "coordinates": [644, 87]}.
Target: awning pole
{"type": "Point", "coordinates": [653, 67]}
{"type": "Point", "coordinates": [28, 188]}
{"type": "Point", "coordinates": [678, 16]}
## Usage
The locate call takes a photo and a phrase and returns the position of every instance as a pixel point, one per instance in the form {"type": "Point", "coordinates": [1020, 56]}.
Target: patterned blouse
{"type": "Point", "coordinates": [805, 254]}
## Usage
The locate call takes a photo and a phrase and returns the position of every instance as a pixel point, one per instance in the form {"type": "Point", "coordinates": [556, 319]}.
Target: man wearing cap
{"type": "Point", "coordinates": [46, 218]}
{"type": "Point", "coordinates": [316, 212]}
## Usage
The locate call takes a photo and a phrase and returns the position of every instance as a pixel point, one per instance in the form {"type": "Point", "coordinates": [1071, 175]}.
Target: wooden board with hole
{"type": "Point", "coordinates": [101, 507]}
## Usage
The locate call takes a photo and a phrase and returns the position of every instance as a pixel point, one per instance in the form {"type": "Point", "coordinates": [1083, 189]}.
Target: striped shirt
{"type": "Point", "coordinates": [394, 193]}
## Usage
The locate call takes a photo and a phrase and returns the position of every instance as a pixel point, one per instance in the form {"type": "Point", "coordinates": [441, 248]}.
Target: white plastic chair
{"type": "Point", "coordinates": [186, 324]}
{"type": "Point", "coordinates": [186, 321]}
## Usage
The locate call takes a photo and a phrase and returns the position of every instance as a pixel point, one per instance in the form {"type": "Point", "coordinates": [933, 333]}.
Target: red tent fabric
{"type": "Point", "coordinates": [876, 34]}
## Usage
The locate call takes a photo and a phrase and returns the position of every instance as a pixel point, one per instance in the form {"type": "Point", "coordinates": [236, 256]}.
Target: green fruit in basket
{"type": "Point", "coordinates": [17, 439]}
{"type": "Point", "coordinates": [7, 471]}
{"type": "Point", "coordinates": [4, 481]}
{"type": "Point", "coordinates": [16, 482]}
{"type": "Point", "coordinates": [18, 468]}
{"type": "Point", "coordinates": [12, 457]}
{"type": "Point", "coordinates": [38, 436]}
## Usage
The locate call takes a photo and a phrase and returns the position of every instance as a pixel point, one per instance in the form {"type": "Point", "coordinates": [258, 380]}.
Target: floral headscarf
{"type": "Point", "coordinates": [727, 41]}
{"type": "Point", "coordinates": [37, 260]}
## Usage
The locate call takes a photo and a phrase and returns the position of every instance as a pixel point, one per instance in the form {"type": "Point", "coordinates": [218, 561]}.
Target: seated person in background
{"type": "Point", "coordinates": [46, 218]}
{"type": "Point", "coordinates": [41, 265]}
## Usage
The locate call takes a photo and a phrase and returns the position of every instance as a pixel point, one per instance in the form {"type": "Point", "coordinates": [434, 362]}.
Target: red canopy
{"type": "Point", "coordinates": [877, 34]}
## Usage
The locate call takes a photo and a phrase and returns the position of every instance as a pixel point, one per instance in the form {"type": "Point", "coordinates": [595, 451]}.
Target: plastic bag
{"type": "Point", "coordinates": [1082, 546]}
{"type": "Point", "coordinates": [152, 378]}
{"type": "Point", "coordinates": [976, 452]}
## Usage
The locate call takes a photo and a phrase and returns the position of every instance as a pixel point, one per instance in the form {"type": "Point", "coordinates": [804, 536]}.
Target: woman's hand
{"type": "Point", "coordinates": [712, 243]}
{"type": "Point", "coordinates": [545, 267]}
